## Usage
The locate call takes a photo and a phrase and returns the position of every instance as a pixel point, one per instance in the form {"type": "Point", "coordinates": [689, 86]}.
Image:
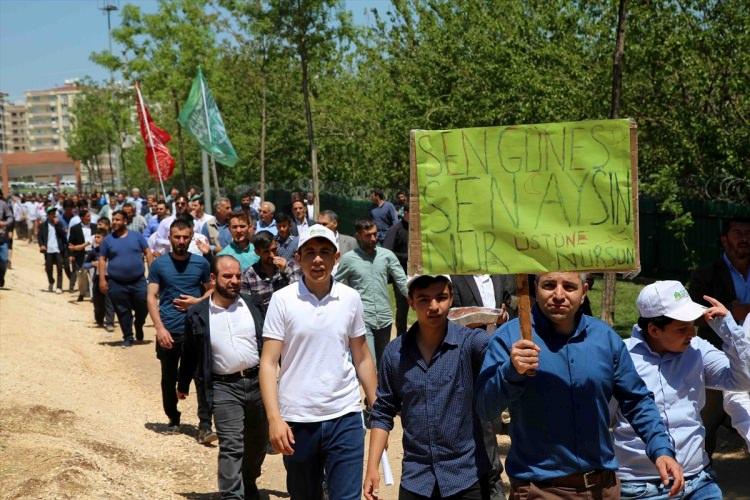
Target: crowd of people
{"type": "Point", "coordinates": [281, 323]}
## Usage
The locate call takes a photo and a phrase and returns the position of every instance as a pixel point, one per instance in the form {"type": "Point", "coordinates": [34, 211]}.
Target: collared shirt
{"type": "Point", "coordinates": [384, 217]}
{"type": "Point", "coordinates": [198, 223]}
{"type": "Point", "coordinates": [368, 274]}
{"type": "Point", "coordinates": [138, 224]}
{"type": "Point", "coordinates": [442, 435]}
{"type": "Point", "coordinates": [288, 247]}
{"type": "Point", "coordinates": [564, 408]}
{"type": "Point", "coordinates": [317, 380]}
{"type": "Point", "coordinates": [233, 343]}
{"type": "Point", "coordinates": [247, 257]}
{"type": "Point", "coordinates": [678, 381]}
{"type": "Point", "coordinates": [486, 290]}
{"type": "Point", "coordinates": [270, 227]}
{"type": "Point", "coordinates": [52, 246]}
{"type": "Point", "coordinates": [257, 284]}
{"type": "Point", "coordinates": [302, 227]}
{"type": "Point", "coordinates": [741, 283]}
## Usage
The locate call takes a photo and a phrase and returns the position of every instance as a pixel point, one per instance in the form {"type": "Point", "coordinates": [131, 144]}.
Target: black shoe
{"type": "Point", "coordinates": [80, 298]}
{"type": "Point", "coordinates": [128, 342]}
{"type": "Point", "coordinates": [139, 335]}
{"type": "Point", "coordinates": [173, 427]}
{"type": "Point", "coordinates": [109, 328]}
{"type": "Point", "coordinates": [206, 436]}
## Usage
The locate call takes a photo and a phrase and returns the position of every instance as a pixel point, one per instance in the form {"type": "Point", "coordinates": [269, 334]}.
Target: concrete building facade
{"type": "Point", "coordinates": [48, 117]}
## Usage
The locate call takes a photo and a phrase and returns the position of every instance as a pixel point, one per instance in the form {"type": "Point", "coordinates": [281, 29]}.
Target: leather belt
{"type": "Point", "coordinates": [582, 480]}
{"type": "Point", "coordinates": [246, 373]}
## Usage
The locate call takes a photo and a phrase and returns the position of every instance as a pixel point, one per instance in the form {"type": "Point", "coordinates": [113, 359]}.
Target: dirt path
{"type": "Point", "coordinates": [81, 418]}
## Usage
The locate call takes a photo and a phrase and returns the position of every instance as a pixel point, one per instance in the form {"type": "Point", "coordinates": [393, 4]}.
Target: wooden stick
{"type": "Point", "coordinates": [414, 261]}
{"type": "Point", "coordinates": [524, 310]}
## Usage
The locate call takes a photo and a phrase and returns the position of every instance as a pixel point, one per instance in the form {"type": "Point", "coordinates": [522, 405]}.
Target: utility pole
{"type": "Point", "coordinates": [108, 7]}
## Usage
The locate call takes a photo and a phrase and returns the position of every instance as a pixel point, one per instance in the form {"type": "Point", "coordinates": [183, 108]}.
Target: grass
{"type": "Point", "coordinates": [626, 313]}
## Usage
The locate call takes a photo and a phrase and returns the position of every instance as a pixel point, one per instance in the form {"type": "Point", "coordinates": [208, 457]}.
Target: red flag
{"type": "Point", "coordinates": [158, 158]}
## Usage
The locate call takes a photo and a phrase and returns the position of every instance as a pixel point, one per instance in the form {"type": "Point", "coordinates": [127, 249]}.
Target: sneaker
{"type": "Point", "coordinates": [50, 288]}
{"type": "Point", "coordinates": [58, 291]}
{"type": "Point", "coordinates": [128, 342]}
{"type": "Point", "coordinates": [206, 436]}
{"type": "Point", "coordinates": [109, 328]}
{"type": "Point", "coordinates": [173, 427]}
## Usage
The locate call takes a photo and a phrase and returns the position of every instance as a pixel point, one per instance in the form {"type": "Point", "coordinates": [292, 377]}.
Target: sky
{"type": "Point", "coordinates": [45, 42]}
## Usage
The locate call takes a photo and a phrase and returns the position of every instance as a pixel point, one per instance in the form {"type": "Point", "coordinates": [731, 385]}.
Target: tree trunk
{"type": "Point", "coordinates": [310, 132]}
{"type": "Point", "coordinates": [111, 170]}
{"type": "Point", "coordinates": [263, 122]}
{"type": "Point", "coordinates": [180, 145]}
{"type": "Point", "coordinates": [610, 281]}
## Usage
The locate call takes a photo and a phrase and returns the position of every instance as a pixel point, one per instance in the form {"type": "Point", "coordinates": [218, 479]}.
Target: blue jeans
{"type": "Point", "coordinates": [701, 486]}
{"type": "Point", "coordinates": [335, 446]}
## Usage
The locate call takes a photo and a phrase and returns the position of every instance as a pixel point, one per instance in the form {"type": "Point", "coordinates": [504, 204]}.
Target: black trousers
{"type": "Point", "coordinates": [402, 311]}
{"type": "Point", "coordinates": [69, 266]}
{"type": "Point", "coordinates": [713, 416]}
{"type": "Point", "coordinates": [129, 301]}
{"type": "Point", "coordinates": [478, 491]}
{"type": "Point", "coordinates": [104, 311]}
{"type": "Point", "coordinates": [54, 259]}
{"type": "Point", "coordinates": [170, 366]}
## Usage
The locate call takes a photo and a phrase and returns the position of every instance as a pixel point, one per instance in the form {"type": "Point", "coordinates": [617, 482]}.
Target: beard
{"type": "Point", "coordinates": [227, 292]}
{"type": "Point", "coordinates": [180, 250]}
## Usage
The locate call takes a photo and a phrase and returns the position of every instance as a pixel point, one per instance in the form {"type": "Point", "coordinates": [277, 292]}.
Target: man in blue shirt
{"type": "Point", "coordinates": [559, 430]}
{"type": "Point", "coordinates": [427, 375]}
{"type": "Point", "coordinates": [121, 274]}
{"type": "Point", "coordinates": [242, 228]}
{"type": "Point", "coordinates": [175, 282]}
{"type": "Point", "coordinates": [677, 367]}
{"type": "Point", "coordinates": [383, 213]}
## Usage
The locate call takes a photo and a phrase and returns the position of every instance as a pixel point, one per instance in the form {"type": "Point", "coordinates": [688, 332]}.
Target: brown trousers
{"type": "Point", "coordinates": [521, 490]}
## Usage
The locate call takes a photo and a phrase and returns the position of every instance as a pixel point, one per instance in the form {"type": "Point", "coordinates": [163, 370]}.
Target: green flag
{"type": "Point", "coordinates": [201, 117]}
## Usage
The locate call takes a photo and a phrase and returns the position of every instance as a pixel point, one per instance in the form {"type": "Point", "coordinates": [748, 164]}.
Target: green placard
{"type": "Point", "coordinates": [526, 198]}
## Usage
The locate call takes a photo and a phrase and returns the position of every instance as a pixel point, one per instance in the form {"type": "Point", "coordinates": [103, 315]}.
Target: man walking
{"type": "Point", "coordinates": [286, 240]}
{"type": "Point", "coordinates": [315, 326]}
{"type": "Point", "coordinates": [266, 221]}
{"type": "Point", "coordinates": [728, 280]}
{"type": "Point", "coordinates": [121, 274]}
{"type": "Point", "coordinates": [52, 243]}
{"type": "Point", "coordinates": [677, 368]}
{"type": "Point", "coordinates": [383, 213]}
{"type": "Point", "coordinates": [217, 229]}
{"type": "Point", "coordinates": [427, 376]}
{"type": "Point", "coordinates": [222, 348]}
{"type": "Point", "coordinates": [301, 222]}
{"type": "Point", "coordinates": [367, 269]}
{"type": "Point", "coordinates": [560, 441]}
{"type": "Point", "coordinates": [80, 239]}
{"type": "Point", "coordinates": [241, 248]}
{"type": "Point", "coordinates": [270, 274]}
{"type": "Point", "coordinates": [330, 219]}
{"type": "Point", "coordinates": [175, 282]}
{"type": "Point", "coordinates": [6, 236]}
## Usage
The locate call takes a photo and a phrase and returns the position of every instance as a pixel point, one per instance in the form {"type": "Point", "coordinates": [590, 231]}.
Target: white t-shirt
{"type": "Point", "coordinates": [486, 290]}
{"type": "Point", "coordinates": [317, 380]}
{"type": "Point", "coordinates": [52, 246]}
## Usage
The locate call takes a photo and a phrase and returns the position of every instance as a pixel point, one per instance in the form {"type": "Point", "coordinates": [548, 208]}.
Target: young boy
{"type": "Point", "coordinates": [428, 376]}
{"type": "Point", "coordinates": [677, 367]}
{"type": "Point", "coordinates": [104, 312]}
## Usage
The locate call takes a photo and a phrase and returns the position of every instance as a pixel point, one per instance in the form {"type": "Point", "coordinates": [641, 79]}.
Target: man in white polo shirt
{"type": "Point", "coordinates": [314, 413]}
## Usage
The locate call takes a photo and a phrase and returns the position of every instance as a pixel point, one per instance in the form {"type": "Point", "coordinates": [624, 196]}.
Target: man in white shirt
{"type": "Point", "coordinates": [676, 367]}
{"type": "Point", "coordinates": [198, 211]}
{"type": "Point", "coordinates": [314, 411]}
{"type": "Point", "coordinates": [222, 340]}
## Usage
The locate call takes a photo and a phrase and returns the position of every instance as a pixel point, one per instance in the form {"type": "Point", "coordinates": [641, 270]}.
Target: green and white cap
{"type": "Point", "coordinates": [318, 231]}
{"type": "Point", "coordinates": [670, 299]}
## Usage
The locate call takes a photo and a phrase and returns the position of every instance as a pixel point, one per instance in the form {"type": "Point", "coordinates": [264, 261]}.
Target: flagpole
{"type": "Point", "coordinates": [208, 128]}
{"type": "Point", "coordinates": [150, 138]}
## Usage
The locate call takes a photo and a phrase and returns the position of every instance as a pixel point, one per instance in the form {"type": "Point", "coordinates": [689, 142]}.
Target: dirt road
{"type": "Point", "coordinates": [81, 417]}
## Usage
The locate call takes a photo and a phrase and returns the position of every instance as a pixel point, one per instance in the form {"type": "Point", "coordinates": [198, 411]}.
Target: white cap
{"type": "Point", "coordinates": [670, 299]}
{"type": "Point", "coordinates": [415, 277]}
{"type": "Point", "coordinates": [318, 231]}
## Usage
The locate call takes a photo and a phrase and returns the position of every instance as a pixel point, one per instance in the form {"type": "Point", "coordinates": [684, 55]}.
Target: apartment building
{"type": "Point", "coordinates": [47, 117]}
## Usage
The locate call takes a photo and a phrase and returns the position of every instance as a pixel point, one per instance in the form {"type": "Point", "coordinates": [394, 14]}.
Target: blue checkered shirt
{"type": "Point", "coordinates": [442, 441]}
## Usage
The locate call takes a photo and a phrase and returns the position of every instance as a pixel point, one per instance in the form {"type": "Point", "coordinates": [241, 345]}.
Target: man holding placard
{"type": "Point", "coordinates": [558, 386]}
